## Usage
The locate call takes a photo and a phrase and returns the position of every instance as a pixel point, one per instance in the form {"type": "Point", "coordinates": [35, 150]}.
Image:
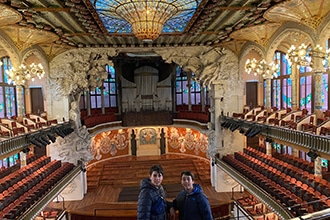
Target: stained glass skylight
{"type": "Point", "coordinates": [170, 16]}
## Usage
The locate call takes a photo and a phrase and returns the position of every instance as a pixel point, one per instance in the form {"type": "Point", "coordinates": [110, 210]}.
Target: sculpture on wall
{"type": "Point", "coordinates": [71, 74]}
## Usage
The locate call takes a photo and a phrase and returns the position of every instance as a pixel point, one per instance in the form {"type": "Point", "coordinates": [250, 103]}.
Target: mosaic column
{"type": "Point", "coordinates": [20, 101]}
{"type": "Point", "coordinates": [268, 94]}
{"type": "Point", "coordinates": [318, 56]}
{"type": "Point", "coordinates": [22, 157]}
{"type": "Point", "coordinates": [293, 77]}
{"type": "Point", "coordinates": [268, 148]}
{"type": "Point", "coordinates": [318, 167]}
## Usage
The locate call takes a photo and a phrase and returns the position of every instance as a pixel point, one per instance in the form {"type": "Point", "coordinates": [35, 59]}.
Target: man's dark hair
{"type": "Point", "coordinates": [188, 173]}
{"type": "Point", "coordinates": [157, 168]}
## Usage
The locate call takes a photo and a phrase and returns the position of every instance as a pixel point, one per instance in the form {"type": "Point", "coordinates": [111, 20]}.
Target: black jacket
{"type": "Point", "coordinates": [148, 197]}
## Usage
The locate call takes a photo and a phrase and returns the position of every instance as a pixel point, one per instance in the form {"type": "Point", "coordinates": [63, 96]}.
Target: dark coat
{"type": "Point", "coordinates": [193, 206]}
{"type": "Point", "coordinates": [149, 194]}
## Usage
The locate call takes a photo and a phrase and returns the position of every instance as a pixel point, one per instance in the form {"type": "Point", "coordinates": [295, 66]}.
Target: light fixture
{"type": "Point", "coordinates": [267, 71]}
{"type": "Point", "coordinates": [24, 73]}
{"type": "Point", "coordinates": [303, 57]}
{"type": "Point", "coordinates": [147, 18]}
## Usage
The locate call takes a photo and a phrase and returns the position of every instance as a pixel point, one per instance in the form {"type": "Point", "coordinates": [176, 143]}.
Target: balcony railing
{"type": "Point", "coordinates": [307, 140]}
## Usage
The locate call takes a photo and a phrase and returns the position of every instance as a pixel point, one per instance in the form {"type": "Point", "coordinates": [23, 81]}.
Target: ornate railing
{"type": "Point", "coordinates": [311, 141]}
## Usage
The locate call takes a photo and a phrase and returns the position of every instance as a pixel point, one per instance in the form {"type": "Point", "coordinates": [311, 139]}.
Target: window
{"type": "Point", "coordinates": [197, 92]}
{"type": "Point", "coordinates": [109, 92]}
{"type": "Point", "coordinates": [7, 91]}
{"type": "Point", "coordinates": [282, 85]}
{"type": "Point", "coordinates": [110, 88]}
{"type": "Point", "coordinates": [181, 87]}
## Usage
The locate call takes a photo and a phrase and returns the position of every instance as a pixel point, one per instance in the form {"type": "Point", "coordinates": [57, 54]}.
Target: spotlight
{"type": "Point", "coordinates": [51, 137]}
{"type": "Point", "coordinates": [60, 133]}
{"type": "Point", "coordinates": [234, 126]}
{"type": "Point", "coordinates": [36, 143]}
{"type": "Point", "coordinates": [312, 154]}
{"type": "Point", "coordinates": [253, 131]}
{"type": "Point", "coordinates": [44, 140]}
{"type": "Point", "coordinates": [26, 150]}
{"type": "Point", "coordinates": [269, 140]}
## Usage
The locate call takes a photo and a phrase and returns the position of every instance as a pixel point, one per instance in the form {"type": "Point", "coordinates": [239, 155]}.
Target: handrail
{"type": "Point", "coordinates": [33, 211]}
{"type": "Point", "coordinates": [19, 142]}
{"type": "Point", "coordinates": [318, 143]}
{"type": "Point", "coordinates": [260, 193]}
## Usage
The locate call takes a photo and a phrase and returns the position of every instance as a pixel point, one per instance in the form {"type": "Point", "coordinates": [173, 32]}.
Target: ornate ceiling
{"type": "Point", "coordinates": [59, 25]}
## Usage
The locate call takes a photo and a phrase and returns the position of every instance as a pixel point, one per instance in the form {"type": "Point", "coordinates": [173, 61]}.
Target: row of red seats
{"type": "Point", "coordinates": [197, 116]}
{"type": "Point", "coordinates": [298, 162]}
{"type": "Point", "coordinates": [17, 176]}
{"type": "Point", "coordinates": [303, 165]}
{"type": "Point", "coordinates": [297, 172]}
{"type": "Point", "coordinates": [93, 120]}
{"type": "Point", "coordinates": [264, 182]}
{"type": "Point", "coordinates": [6, 171]}
{"type": "Point", "coordinates": [33, 193]}
{"type": "Point", "coordinates": [13, 192]}
{"type": "Point", "coordinates": [305, 192]}
{"type": "Point", "coordinates": [20, 205]}
{"type": "Point", "coordinates": [270, 179]}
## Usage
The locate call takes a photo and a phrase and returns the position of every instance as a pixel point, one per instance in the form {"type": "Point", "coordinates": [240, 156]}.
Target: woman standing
{"type": "Point", "coordinates": [152, 204]}
{"type": "Point", "coordinates": [191, 202]}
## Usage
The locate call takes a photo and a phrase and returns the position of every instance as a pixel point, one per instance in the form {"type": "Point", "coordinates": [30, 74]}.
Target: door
{"type": "Point", "coordinates": [252, 94]}
{"type": "Point", "coordinates": [37, 101]}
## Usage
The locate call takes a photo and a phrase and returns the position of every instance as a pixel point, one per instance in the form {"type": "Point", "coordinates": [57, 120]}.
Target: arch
{"type": "Point", "coordinates": [324, 30]}
{"type": "Point", "coordinates": [285, 32]}
{"type": "Point", "coordinates": [9, 46]}
{"type": "Point", "coordinates": [39, 53]}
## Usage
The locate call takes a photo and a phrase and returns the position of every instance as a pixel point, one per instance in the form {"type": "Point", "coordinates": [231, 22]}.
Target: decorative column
{"type": "Point", "coordinates": [22, 157]}
{"type": "Point", "coordinates": [102, 101]}
{"type": "Point", "coordinates": [318, 167]}
{"type": "Point", "coordinates": [189, 85]}
{"type": "Point", "coordinates": [268, 94]}
{"type": "Point", "coordinates": [318, 56]}
{"type": "Point", "coordinates": [268, 148]}
{"type": "Point", "coordinates": [20, 101]}
{"type": "Point", "coordinates": [294, 98]}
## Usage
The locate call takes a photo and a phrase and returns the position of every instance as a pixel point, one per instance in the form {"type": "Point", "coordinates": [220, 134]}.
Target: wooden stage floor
{"type": "Point", "coordinates": [113, 185]}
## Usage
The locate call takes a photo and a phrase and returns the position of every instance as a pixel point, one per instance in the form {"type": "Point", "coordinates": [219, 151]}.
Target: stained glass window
{"type": "Point", "coordinates": [109, 91]}
{"type": "Point", "coordinates": [7, 91]}
{"type": "Point", "coordinates": [282, 85]}
{"type": "Point", "coordinates": [306, 92]}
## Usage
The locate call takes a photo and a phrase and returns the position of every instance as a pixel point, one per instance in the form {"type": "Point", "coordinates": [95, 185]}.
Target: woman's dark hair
{"type": "Point", "coordinates": [157, 168]}
{"type": "Point", "coordinates": [188, 173]}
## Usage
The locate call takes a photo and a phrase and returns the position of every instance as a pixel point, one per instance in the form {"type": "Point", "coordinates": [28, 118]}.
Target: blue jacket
{"type": "Point", "coordinates": [193, 206]}
{"type": "Point", "coordinates": [148, 197]}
